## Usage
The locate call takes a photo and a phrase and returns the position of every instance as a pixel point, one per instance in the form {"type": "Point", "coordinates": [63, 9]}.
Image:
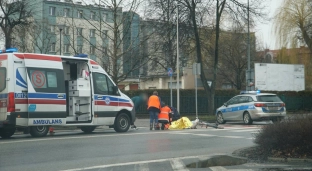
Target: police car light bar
{"type": "Point", "coordinates": [81, 56]}
{"type": "Point", "coordinates": [9, 50]}
{"type": "Point", "coordinates": [250, 92]}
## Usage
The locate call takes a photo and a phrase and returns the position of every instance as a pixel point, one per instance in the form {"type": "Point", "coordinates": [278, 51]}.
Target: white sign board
{"type": "Point", "coordinates": [279, 77]}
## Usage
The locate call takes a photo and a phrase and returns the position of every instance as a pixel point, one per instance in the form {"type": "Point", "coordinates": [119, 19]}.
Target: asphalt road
{"type": "Point", "coordinates": [134, 150]}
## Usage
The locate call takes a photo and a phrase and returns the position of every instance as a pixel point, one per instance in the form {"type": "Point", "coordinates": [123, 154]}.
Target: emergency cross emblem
{"type": "Point", "coordinates": [107, 100]}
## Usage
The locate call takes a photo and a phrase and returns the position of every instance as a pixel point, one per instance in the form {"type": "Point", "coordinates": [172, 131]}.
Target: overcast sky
{"type": "Point", "coordinates": [264, 31]}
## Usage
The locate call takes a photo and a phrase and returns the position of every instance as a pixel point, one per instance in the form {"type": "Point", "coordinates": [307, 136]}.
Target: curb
{"type": "Point", "coordinates": [273, 159]}
{"type": "Point", "coordinates": [276, 159]}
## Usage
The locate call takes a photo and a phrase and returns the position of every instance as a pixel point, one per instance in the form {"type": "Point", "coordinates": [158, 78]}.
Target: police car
{"type": "Point", "coordinates": [252, 106]}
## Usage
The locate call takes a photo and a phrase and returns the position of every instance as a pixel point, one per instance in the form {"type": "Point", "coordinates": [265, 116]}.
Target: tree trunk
{"type": "Point", "coordinates": [306, 38]}
{"type": "Point", "coordinates": [8, 39]}
{"type": "Point", "coordinates": [219, 11]}
{"type": "Point", "coordinates": [199, 60]}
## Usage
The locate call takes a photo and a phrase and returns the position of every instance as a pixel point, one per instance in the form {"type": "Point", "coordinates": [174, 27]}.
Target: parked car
{"type": "Point", "coordinates": [252, 106]}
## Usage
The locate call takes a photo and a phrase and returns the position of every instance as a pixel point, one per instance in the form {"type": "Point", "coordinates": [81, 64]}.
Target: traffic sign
{"type": "Point", "coordinates": [170, 72]}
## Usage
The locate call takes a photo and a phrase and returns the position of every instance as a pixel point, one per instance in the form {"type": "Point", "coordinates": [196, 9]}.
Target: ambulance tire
{"type": "Point", "coordinates": [7, 132]}
{"type": "Point", "coordinates": [88, 129]}
{"type": "Point", "coordinates": [38, 131]}
{"type": "Point", "coordinates": [122, 123]}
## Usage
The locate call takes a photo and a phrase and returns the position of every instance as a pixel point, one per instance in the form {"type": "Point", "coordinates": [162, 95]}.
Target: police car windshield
{"type": "Point", "coordinates": [268, 98]}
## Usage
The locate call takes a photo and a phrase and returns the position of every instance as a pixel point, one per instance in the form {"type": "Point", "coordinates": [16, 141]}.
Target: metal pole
{"type": "Point", "coordinates": [60, 41]}
{"type": "Point", "coordinates": [248, 50]}
{"type": "Point", "coordinates": [196, 93]}
{"type": "Point", "coordinates": [178, 66]}
{"type": "Point", "coordinates": [171, 91]}
{"type": "Point", "coordinates": [139, 83]}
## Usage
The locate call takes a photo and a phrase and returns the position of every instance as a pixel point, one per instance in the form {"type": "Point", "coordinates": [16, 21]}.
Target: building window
{"type": "Point", "coordinates": [79, 49]}
{"type": "Point", "coordinates": [52, 28]}
{"type": "Point", "coordinates": [66, 48]}
{"type": "Point", "coordinates": [92, 16]}
{"type": "Point", "coordinates": [174, 85]}
{"type": "Point", "coordinates": [52, 47]}
{"type": "Point", "coordinates": [104, 51]}
{"type": "Point", "coordinates": [104, 34]}
{"type": "Point", "coordinates": [104, 17]}
{"type": "Point", "coordinates": [92, 32]}
{"type": "Point", "coordinates": [52, 11]}
{"type": "Point", "coordinates": [92, 50]}
{"type": "Point", "coordinates": [66, 30]}
{"type": "Point", "coordinates": [66, 12]}
{"type": "Point", "coordinates": [79, 31]}
{"type": "Point", "coordinates": [79, 13]}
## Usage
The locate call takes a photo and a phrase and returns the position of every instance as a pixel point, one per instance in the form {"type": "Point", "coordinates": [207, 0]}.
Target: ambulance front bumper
{"type": "Point", "coordinates": [133, 115]}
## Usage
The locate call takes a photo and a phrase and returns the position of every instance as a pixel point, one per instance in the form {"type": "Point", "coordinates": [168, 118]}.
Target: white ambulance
{"type": "Point", "coordinates": [38, 91]}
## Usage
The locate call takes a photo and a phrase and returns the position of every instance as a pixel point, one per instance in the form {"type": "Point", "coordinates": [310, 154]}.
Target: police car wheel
{"type": "Point", "coordinates": [87, 129]}
{"type": "Point", "coordinates": [7, 132]}
{"type": "Point", "coordinates": [39, 131]}
{"type": "Point", "coordinates": [122, 123]}
{"type": "Point", "coordinates": [220, 119]}
{"type": "Point", "coordinates": [247, 119]}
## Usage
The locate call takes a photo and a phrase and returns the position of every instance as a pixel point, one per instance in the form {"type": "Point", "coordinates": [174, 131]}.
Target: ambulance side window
{"type": "Point", "coordinates": [47, 80]}
{"type": "Point", "coordinates": [2, 78]}
{"type": "Point", "coordinates": [111, 90]}
{"type": "Point", "coordinates": [100, 83]}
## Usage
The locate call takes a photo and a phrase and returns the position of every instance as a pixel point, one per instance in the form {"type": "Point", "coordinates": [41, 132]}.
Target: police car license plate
{"type": "Point", "coordinates": [273, 108]}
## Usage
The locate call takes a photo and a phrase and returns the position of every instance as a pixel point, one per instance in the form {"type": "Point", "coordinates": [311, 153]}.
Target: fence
{"type": "Point", "coordinates": [187, 103]}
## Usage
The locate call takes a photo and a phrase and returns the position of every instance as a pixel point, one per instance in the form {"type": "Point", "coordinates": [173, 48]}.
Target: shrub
{"type": "Point", "coordinates": [289, 138]}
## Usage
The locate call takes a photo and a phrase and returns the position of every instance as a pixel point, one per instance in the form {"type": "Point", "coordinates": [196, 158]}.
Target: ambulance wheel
{"type": "Point", "coordinates": [88, 129]}
{"type": "Point", "coordinates": [7, 132]}
{"type": "Point", "coordinates": [38, 131]}
{"type": "Point", "coordinates": [122, 123]}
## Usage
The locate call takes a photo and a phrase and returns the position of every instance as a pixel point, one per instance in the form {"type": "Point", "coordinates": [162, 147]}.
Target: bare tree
{"type": "Point", "coordinates": [37, 36]}
{"type": "Point", "coordinates": [163, 19]}
{"type": "Point", "coordinates": [293, 23]}
{"type": "Point", "coordinates": [230, 9]}
{"type": "Point", "coordinates": [13, 14]}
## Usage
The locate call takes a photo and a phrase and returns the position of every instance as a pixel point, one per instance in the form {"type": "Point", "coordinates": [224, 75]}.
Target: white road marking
{"type": "Point", "coordinates": [177, 164]}
{"type": "Point", "coordinates": [140, 162]}
{"type": "Point", "coordinates": [80, 137]}
{"type": "Point", "coordinates": [143, 167]}
{"type": "Point", "coordinates": [246, 130]}
{"type": "Point", "coordinates": [206, 135]}
{"type": "Point", "coordinates": [218, 168]}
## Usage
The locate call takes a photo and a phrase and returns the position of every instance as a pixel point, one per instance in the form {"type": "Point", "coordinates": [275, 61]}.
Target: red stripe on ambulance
{"type": "Point", "coordinates": [39, 57]}
{"type": "Point", "coordinates": [93, 62]}
{"type": "Point", "coordinates": [3, 57]}
{"type": "Point", "coordinates": [40, 101]}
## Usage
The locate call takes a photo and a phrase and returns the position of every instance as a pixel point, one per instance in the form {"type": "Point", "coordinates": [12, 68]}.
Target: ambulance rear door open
{"type": "Point", "coordinates": [46, 90]}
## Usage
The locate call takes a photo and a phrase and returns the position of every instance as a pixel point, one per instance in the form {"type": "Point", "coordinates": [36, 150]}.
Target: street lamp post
{"type": "Point", "coordinates": [61, 27]}
{"type": "Point", "coordinates": [178, 62]}
{"type": "Point", "coordinates": [248, 51]}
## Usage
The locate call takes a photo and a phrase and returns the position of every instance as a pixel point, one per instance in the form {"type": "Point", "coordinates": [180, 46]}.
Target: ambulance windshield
{"type": "Point", "coordinates": [2, 78]}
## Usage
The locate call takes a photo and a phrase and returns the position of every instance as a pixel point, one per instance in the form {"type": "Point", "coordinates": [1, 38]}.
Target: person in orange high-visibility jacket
{"type": "Point", "coordinates": [153, 107]}
{"type": "Point", "coordinates": [165, 116]}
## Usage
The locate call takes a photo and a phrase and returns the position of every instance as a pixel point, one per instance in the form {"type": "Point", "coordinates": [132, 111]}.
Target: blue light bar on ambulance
{"type": "Point", "coordinates": [81, 55]}
{"type": "Point", "coordinates": [250, 92]}
{"type": "Point", "coordinates": [9, 50]}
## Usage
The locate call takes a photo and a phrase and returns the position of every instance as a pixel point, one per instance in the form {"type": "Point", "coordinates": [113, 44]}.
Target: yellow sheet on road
{"type": "Point", "coordinates": [182, 123]}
